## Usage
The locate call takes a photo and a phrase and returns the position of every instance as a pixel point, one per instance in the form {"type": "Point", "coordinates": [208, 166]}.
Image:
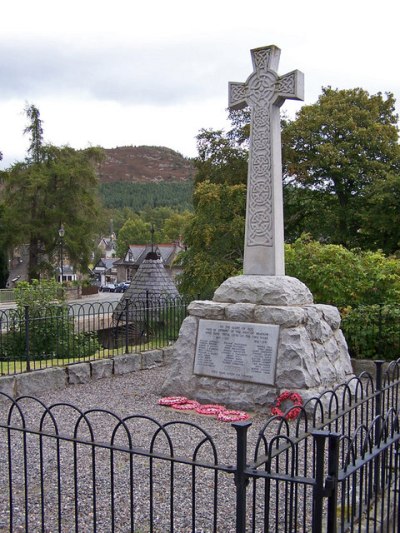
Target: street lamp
{"type": "Point", "coordinates": [61, 233]}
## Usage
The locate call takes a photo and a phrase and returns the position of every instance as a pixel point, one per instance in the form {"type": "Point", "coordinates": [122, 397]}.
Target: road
{"type": "Point", "coordinates": [103, 301]}
{"type": "Point", "coordinates": [95, 301]}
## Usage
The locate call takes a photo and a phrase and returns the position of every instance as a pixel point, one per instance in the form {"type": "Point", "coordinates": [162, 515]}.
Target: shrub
{"type": "Point", "coordinates": [41, 326]}
{"type": "Point", "coordinates": [372, 331]}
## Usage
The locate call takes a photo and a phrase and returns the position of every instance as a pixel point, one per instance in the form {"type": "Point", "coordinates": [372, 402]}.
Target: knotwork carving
{"type": "Point", "coordinates": [263, 90]}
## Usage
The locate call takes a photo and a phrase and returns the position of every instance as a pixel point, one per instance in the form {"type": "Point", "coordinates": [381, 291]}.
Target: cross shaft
{"type": "Point", "coordinates": [264, 92]}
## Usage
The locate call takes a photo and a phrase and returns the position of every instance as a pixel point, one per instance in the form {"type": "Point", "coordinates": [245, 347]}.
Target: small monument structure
{"type": "Point", "coordinates": [261, 333]}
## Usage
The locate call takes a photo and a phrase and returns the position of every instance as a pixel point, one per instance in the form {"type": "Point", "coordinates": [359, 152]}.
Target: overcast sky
{"type": "Point", "coordinates": [125, 72]}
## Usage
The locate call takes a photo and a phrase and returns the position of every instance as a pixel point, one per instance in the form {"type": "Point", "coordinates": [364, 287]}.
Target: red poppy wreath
{"type": "Point", "coordinates": [294, 411]}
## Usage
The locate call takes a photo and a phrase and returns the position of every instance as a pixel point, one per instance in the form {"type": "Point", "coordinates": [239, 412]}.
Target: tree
{"type": "Point", "coordinates": [342, 277]}
{"type": "Point", "coordinates": [214, 238]}
{"type": "Point", "coordinates": [175, 226]}
{"type": "Point", "coordinates": [380, 215]}
{"type": "Point", "coordinates": [134, 231]}
{"type": "Point", "coordinates": [341, 146]}
{"type": "Point", "coordinates": [215, 233]}
{"type": "Point", "coordinates": [53, 186]}
{"type": "Point", "coordinates": [42, 321]}
{"type": "Point", "coordinates": [35, 130]}
{"type": "Point", "coordinates": [220, 159]}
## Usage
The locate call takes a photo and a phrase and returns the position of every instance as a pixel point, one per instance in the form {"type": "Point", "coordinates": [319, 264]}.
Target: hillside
{"type": "Point", "coordinates": [144, 164]}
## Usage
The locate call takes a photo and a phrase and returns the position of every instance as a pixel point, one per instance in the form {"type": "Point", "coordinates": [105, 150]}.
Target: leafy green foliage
{"type": "Point", "coordinates": [220, 158]}
{"type": "Point", "coordinates": [372, 332]}
{"type": "Point", "coordinates": [38, 295]}
{"type": "Point", "coordinates": [380, 215]}
{"type": "Point", "coordinates": [344, 144]}
{"type": "Point", "coordinates": [40, 308]}
{"type": "Point", "coordinates": [134, 231]}
{"type": "Point", "coordinates": [168, 226]}
{"type": "Point", "coordinates": [3, 251]}
{"type": "Point", "coordinates": [342, 277]}
{"type": "Point", "coordinates": [35, 130]}
{"type": "Point", "coordinates": [138, 196]}
{"type": "Point", "coordinates": [53, 186]}
{"type": "Point", "coordinates": [214, 237]}
{"type": "Point", "coordinates": [215, 233]}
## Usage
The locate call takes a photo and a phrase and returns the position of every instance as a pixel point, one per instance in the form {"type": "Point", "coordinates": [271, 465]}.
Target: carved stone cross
{"type": "Point", "coordinates": [264, 92]}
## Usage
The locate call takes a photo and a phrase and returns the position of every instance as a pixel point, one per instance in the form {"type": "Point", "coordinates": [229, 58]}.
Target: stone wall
{"type": "Point", "coordinates": [31, 383]}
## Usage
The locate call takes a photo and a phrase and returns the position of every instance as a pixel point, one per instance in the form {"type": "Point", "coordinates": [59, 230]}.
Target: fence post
{"type": "Point", "coordinates": [380, 328]}
{"type": "Point", "coordinates": [325, 487]}
{"type": "Point", "coordinates": [378, 425]}
{"type": "Point", "coordinates": [127, 325]}
{"type": "Point", "coordinates": [378, 387]}
{"type": "Point", "coordinates": [241, 479]}
{"type": "Point", "coordinates": [27, 340]}
{"type": "Point", "coordinates": [147, 316]}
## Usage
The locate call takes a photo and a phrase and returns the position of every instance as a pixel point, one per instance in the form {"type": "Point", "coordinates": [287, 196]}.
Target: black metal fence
{"type": "Point", "coordinates": [372, 331]}
{"type": "Point", "coordinates": [334, 468]}
{"type": "Point", "coordinates": [32, 339]}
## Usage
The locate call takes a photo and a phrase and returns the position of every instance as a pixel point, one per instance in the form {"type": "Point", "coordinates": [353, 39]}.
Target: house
{"type": "Point", "coordinates": [105, 270]}
{"type": "Point", "coordinates": [108, 246]}
{"type": "Point", "coordinates": [137, 253]}
{"type": "Point", "coordinates": [18, 265]}
{"type": "Point", "coordinates": [68, 273]}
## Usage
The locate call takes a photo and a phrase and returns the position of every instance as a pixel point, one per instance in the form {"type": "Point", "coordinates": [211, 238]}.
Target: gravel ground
{"type": "Point", "coordinates": [117, 471]}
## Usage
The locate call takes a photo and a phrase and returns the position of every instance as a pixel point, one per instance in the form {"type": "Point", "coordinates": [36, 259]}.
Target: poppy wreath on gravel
{"type": "Point", "coordinates": [210, 409]}
{"type": "Point", "coordinates": [181, 403]}
{"type": "Point", "coordinates": [294, 411]}
{"type": "Point", "coordinates": [172, 400]}
{"type": "Point", "coordinates": [232, 416]}
{"type": "Point", "coordinates": [189, 405]}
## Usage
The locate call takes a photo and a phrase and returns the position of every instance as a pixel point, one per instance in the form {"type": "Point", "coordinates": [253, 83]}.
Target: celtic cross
{"type": "Point", "coordinates": [264, 92]}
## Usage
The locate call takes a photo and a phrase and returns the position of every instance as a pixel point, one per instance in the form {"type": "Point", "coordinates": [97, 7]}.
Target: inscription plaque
{"type": "Point", "coordinates": [239, 351]}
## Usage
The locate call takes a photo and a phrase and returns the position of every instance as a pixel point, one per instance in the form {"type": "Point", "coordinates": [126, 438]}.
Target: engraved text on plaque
{"type": "Point", "coordinates": [240, 351]}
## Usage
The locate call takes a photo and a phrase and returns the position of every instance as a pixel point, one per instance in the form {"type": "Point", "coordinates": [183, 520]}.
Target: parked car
{"type": "Point", "coordinates": [121, 287]}
{"type": "Point", "coordinates": [108, 287]}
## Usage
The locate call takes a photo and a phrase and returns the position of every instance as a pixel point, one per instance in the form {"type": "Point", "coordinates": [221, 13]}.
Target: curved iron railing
{"type": "Point", "coordinates": [334, 468]}
{"type": "Point", "coordinates": [32, 339]}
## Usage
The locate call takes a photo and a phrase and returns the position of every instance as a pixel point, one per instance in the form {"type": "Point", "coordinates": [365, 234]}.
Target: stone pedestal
{"type": "Point", "coordinates": [312, 353]}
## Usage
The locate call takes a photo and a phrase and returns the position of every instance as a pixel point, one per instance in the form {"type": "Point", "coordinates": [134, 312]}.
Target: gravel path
{"type": "Point", "coordinates": [116, 472]}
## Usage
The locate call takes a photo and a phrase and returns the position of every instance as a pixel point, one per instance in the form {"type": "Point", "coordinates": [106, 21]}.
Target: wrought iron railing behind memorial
{"type": "Point", "coordinates": [372, 331]}
{"type": "Point", "coordinates": [34, 339]}
{"type": "Point", "coordinates": [334, 468]}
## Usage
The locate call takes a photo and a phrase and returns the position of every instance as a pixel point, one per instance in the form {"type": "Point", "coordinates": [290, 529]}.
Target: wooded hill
{"type": "Point", "coordinates": [144, 164]}
{"type": "Point", "coordinates": [145, 176]}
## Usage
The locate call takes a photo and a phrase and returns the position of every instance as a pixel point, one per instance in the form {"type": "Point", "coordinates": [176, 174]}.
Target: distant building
{"type": "Point", "coordinates": [68, 273]}
{"type": "Point", "coordinates": [108, 246]}
{"type": "Point", "coordinates": [18, 265]}
{"type": "Point", "coordinates": [105, 270]}
{"type": "Point", "coordinates": [137, 253]}
{"type": "Point", "coordinates": [150, 286]}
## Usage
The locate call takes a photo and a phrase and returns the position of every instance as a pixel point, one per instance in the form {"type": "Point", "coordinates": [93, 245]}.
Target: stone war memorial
{"type": "Point", "coordinates": [261, 334]}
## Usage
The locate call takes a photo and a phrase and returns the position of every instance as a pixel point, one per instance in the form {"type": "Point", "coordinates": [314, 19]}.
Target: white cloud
{"type": "Point", "coordinates": [156, 72]}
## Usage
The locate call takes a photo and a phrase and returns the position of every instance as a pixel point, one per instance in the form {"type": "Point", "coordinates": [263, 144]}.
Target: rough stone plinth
{"type": "Point", "coordinates": [152, 358]}
{"type": "Point", "coordinates": [263, 290]}
{"type": "Point", "coordinates": [312, 352]}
